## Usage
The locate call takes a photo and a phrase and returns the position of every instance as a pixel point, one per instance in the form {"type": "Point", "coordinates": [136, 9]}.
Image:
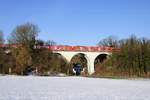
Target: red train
{"type": "Point", "coordinates": [72, 48]}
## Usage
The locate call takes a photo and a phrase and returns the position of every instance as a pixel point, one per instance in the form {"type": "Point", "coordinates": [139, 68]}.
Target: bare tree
{"type": "Point", "coordinates": [24, 34]}
{"type": "Point", "coordinates": [50, 42]}
{"type": "Point", "coordinates": [110, 41]}
{"type": "Point", "coordinates": [1, 37]}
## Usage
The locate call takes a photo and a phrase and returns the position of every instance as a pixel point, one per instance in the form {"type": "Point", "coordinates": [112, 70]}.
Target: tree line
{"type": "Point", "coordinates": [26, 57]}
{"type": "Point", "coordinates": [133, 58]}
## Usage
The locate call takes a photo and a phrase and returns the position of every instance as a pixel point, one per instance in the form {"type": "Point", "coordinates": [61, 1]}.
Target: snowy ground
{"type": "Point", "coordinates": [72, 88]}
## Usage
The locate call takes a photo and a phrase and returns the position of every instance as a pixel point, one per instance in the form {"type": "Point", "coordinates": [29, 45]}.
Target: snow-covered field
{"type": "Point", "coordinates": [72, 88]}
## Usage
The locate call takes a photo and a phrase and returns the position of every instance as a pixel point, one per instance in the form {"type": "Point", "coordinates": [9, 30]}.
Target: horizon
{"type": "Point", "coordinates": [78, 22]}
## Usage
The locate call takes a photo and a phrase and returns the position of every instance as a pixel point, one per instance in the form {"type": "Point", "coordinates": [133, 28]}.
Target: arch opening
{"type": "Point", "coordinates": [99, 62]}
{"type": "Point", "coordinates": [58, 64]}
{"type": "Point", "coordinates": [79, 64]}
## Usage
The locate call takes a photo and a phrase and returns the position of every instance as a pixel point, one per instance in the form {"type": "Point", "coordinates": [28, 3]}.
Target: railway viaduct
{"type": "Point", "coordinates": [68, 52]}
{"type": "Point", "coordinates": [89, 52]}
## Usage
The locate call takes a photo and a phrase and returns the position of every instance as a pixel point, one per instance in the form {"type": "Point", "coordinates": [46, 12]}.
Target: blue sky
{"type": "Point", "coordinates": [78, 22]}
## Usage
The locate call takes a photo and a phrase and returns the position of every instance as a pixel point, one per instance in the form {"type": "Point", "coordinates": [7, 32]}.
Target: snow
{"type": "Point", "coordinates": [72, 88]}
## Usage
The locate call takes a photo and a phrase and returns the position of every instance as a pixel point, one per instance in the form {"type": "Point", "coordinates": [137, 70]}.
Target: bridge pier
{"type": "Point", "coordinates": [91, 66]}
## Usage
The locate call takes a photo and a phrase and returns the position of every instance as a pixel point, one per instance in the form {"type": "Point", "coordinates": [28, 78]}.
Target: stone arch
{"type": "Point", "coordinates": [86, 58]}
{"type": "Point", "coordinates": [62, 62]}
{"type": "Point", "coordinates": [57, 53]}
{"type": "Point", "coordinates": [99, 59]}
